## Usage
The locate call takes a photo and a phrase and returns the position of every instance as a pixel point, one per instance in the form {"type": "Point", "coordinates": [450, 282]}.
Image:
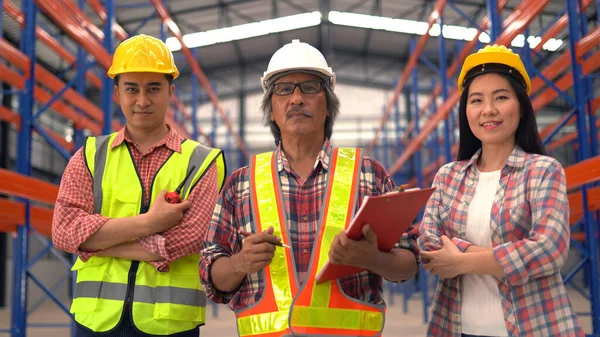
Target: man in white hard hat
{"type": "Point", "coordinates": [295, 196]}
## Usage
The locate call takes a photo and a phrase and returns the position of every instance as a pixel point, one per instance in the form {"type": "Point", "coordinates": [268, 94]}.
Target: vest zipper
{"type": "Point", "coordinates": [134, 264]}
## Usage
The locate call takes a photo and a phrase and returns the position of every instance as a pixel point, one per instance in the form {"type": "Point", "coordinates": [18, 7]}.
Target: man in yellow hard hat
{"type": "Point", "coordinates": [138, 254]}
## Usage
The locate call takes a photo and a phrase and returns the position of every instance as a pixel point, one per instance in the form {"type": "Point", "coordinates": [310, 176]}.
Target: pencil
{"type": "Point", "coordinates": [281, 244]}
{"type": "Point", "coordinates": [246, 234]}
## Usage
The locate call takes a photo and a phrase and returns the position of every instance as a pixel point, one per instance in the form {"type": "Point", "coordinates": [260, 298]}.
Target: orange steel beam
{"type": "Point", "coordinates": [412, 62]}
{"type": "Point", "coordinates": [79, 120]}
{"type": "Point", "coordinates": [528, 11]}
{"type": "Point", "coordinates": [12, 215]}
{"type": "Point", "coordinates": [576, 203]}
{"type": "Point", "coordinates": [69, 146]}
{"type": "Point", "coordinates": [564, 61]}
{"type": "Point", "coordinates": [83, 20]}
{"type": "Point", "coordinates": [101, 11]}
{"type": "Point", "coordinates": [57, 12]}
{"type": "Point", "coordinates": [42, 35]}
{"type": "Point", "coordinates": [12, 212]}
{"type": "Point", "coordinates": [558, 26]}
{"type": "Point", "coordinates": [582, 172]}
{"type": "Point", "coordinates": [12, 77]}
{"type": "Point", "coordinates": [166, 19]}
{"type": "Point", "coordinates": [10, 116]}
{"type": "Point", "coordinates": [565, 82]}
{"type": "Point", "coordinates": [20, 185]}
{"type": "Point", "coordinates": [14, 56]}
{"type": "Point", "coordinates": [451, 70]}
{"type": "Point", "coordinates": [568, 138]}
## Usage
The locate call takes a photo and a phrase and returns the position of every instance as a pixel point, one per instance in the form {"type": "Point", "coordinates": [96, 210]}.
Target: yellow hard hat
{"type": "Point", "coordinates": [494, 59]}
{"type": "Point", "coordinates": [143, 53]}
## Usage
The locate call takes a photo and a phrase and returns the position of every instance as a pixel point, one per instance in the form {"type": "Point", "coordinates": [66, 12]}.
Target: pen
{"type": "Point", "coordinates": [246, 234]}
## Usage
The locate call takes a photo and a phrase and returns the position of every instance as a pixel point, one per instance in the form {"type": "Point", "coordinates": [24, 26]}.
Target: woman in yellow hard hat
{"type": "Point", "coordinates": [496, 230]}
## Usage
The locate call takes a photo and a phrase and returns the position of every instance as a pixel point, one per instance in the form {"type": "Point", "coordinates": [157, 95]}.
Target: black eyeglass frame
{"type": "Point", "coordinates": [298, 85]}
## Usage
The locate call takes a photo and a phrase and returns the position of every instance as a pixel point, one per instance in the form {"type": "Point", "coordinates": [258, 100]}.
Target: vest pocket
{"type": "Point", "coordinates": [179, 296]}
{"type": "Point", "coordinates": [125, 200]}
{"type": "Point", "coordinates": [90, 275]}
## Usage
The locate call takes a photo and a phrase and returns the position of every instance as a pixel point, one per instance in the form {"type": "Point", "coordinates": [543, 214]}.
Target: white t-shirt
{"type": "Point", "coordinates": [481, 302]}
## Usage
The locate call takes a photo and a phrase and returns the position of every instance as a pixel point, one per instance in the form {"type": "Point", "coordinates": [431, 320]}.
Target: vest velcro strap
{"type": "Point", "coordinates": [263, 323]}
{"type": "Point", "coordinates": [334, 318]}
{"type": "Point", "coordinates": [142, 294]}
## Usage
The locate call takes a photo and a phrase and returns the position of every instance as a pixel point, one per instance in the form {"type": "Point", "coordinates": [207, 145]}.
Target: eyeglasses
{"type": "Point", "coordinates": [287, 88]}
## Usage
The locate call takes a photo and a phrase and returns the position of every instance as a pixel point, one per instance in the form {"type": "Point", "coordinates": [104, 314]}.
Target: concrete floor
{"type": "Point", "coordinates": [397, 323]}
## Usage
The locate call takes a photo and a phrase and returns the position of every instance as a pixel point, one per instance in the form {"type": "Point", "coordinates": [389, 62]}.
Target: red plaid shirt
{"type": "Point", "coordinates": [530, 235]}
{"type": "Point", "coordinates": [74, 219]}
{"type": "Point", "coordinates": [302, 200]}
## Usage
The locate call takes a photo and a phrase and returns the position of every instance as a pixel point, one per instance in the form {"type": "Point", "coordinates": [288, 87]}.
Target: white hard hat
{"type": "Point", "coordinates": [297, 56]}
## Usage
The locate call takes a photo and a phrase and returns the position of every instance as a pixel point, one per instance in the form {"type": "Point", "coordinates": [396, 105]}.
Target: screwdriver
{"type": "Point", "coordinates": [173, 197]}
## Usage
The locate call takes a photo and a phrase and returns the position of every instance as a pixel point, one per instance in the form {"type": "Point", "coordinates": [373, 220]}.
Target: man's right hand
{"type": "Point", "coordinates": [163, 215]}
{"type": "Point", "coordinates": [257, 251]}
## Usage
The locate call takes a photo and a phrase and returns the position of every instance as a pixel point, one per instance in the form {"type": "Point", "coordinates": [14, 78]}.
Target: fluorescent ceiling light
{"type": "Point", "coordinates": [304, 20]}
{"type": "Point", "coordinates": [420, 28]}
{"type": "Point", "coordinates": [246, 31]}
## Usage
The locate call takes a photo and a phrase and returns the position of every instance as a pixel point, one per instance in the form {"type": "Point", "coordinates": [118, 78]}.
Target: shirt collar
{"type": "Point", "coordinates": [322, 158]}
{"type": "Point", "coordinates": [171, 140]}
{"type": "Point", "coordinates": [515, 160]}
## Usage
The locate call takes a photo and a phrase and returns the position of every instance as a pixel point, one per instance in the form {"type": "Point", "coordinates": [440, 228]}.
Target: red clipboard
{"type": "Point", "coordinates": [389, 215]}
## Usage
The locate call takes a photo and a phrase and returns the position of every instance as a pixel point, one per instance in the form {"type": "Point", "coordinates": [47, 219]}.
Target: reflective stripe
{"type": "Point", "coordinates": [172, 295]}
{"type": "Point", "coordinates": [337, 215]}
{"type": "Point", "coordinates": [100, 163]}
{"type": "Point", "coordinates": [144, 294]}
{"type": "Point", "coordinates": [269, 216]}
{"type": "Point", "coordinates": [263, 323]}
{"type": "Point", "coordinates": [105, 290]}
{"type": "Point", "coordinates": [334, 318]}
{"type": "Point", "coordinates": [199, 155]}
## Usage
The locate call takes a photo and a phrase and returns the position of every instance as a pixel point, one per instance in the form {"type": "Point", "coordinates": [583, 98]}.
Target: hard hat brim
{"type": "Point", "coordinates": [478, 59]}
{"type": "Point", "coordinates": [113, 74]}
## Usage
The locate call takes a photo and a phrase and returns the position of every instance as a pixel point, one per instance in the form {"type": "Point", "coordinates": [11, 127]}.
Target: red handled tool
{"type": "Point", "coordinates": [173, 197]}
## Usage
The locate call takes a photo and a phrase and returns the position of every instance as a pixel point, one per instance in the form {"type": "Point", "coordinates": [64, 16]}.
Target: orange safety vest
{"type": "Point", "coordinates": [311, 309]}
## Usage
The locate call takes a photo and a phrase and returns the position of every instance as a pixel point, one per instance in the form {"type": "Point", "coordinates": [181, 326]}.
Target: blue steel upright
{"type": "Point", "coordinates": [21, 243]}
{"type": "Point", "coordinates": [444, 83]}
{"type": "Point", "coordinates": [583, 153]}
{"type": "Point", "coordinates": [107, 82]}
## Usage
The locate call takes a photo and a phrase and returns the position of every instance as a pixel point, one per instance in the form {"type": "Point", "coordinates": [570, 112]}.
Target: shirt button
{"type": "Point", "coordinates": [304, 251]}
{"type": "Point", "coordinates": [464, 203]}
{"type": "Point", "coordinates": [305, 218]}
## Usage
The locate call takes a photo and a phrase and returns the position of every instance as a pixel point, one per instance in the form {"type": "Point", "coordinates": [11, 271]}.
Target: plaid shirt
{"type": "Point", "coordinates": [530, 237]}
{"type": "Point", "coordinates": [302, 200]}
{"type": "Point", "coordinates": [74, 219]}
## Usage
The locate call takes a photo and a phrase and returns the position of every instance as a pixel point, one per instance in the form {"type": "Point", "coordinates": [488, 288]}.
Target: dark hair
{"type": "Point", "coordinates": [333, 107]}
{"type": "Point", "coordinates": [168, 76]}
{"type": "Point", "coordinates": [527, 136]}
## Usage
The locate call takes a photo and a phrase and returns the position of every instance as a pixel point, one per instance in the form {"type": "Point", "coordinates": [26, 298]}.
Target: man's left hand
{"type": "Point", "coordinates": [354, 253]}
{"type": "Point", "coordinates": [444, 262]}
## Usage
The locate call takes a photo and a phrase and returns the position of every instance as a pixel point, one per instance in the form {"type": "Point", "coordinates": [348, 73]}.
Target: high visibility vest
{"type": "Point", "coordinates": [162, 303]}
{"type": "Point", "coordinates": [311, 309]}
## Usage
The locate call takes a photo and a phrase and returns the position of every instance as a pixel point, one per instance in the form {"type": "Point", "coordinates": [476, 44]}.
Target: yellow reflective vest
{"type": "Point", "coordinates": [310, 309]}
{"type": "Point", "coordinates": [162, 303]}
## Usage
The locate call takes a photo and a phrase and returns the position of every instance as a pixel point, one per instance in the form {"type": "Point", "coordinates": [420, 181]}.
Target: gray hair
{"type": "Point", "coordinates": [333, 107]}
